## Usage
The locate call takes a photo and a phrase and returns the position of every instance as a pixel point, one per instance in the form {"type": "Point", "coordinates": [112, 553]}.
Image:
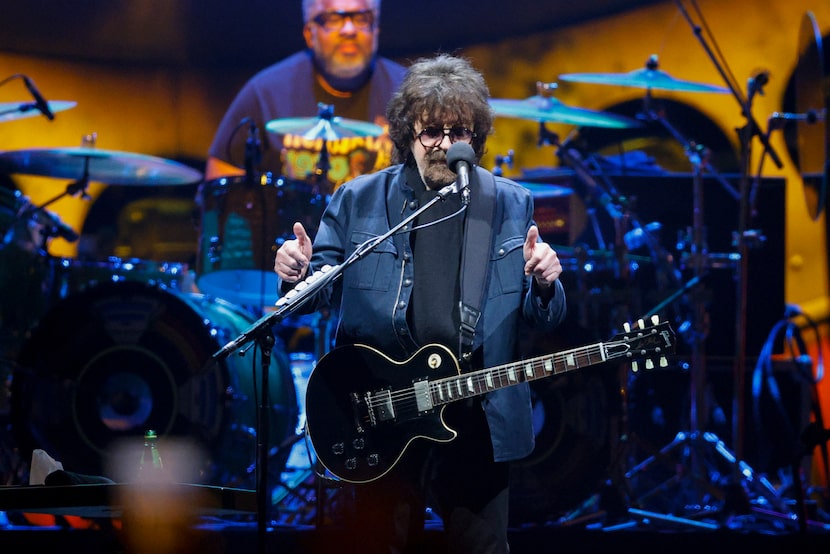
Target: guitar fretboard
{"type": "Point", "coordinates": [450, 389]}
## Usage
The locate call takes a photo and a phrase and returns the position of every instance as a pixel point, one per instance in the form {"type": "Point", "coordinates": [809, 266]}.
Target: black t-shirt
{"type": "Point", "coordinates": [434, 315]}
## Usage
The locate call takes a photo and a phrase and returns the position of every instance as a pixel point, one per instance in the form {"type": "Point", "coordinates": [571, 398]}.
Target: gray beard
{"type": "Point", "coordinates": [437, 175]}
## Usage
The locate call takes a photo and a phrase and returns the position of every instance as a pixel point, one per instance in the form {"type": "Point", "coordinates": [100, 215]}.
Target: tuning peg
{"type": "Point", "coordinates": [649, 363]}
{"type": "Point", "coordinates": [635, 367]}
{"type": "Point", "coordinates": [663, 362]}
{"type": "Point", "coordinates": [626, 327]}
{"type": "Point", "coordinates": [655, 319]}
{"type": "Point", "coordinates": [641, 324]}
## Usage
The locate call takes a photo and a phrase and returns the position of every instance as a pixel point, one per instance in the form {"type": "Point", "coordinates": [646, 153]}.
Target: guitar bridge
{"type": "Point", "coordinates": [380, 406]}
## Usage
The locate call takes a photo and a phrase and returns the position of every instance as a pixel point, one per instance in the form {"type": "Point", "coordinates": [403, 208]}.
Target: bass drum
{"type": "Point", "coordinates": [114, 360]}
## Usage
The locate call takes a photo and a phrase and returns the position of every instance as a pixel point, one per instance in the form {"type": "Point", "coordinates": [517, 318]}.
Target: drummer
{"type": "Point", "coordinates": [341, 68]}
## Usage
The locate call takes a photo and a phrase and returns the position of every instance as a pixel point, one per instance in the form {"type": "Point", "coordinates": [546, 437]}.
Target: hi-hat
{"type": "Point", "coordinates": [648, 78]}
{"type": "Point", "coordinates": [93, 164]}
{"type": "Point", "coordinates": [334, 128]}
{"type": "Point", "coordinates": [10, 111]}
{"type": "Point", "coordinates": [548, 109]}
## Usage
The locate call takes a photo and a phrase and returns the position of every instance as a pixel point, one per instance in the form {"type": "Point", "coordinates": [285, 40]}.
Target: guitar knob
{"type": "Point", "coordinates": [338, 448]}
{"type": "Point", "coordinates": [351, 463]}
{"type": "Point", "coordinates": [358, 444]}
{"type": "Point", "coordinates": [373, 460]}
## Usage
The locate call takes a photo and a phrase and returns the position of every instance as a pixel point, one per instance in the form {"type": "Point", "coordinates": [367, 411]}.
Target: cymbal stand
{"type": "Point", "coordinates": [746, 134]}
{"type": "Point", "coordinates": [321, 168]}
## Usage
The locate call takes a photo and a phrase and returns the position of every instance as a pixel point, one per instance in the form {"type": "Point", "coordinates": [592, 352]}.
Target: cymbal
{"type": "Point", "coordinates": [93, 164]}
{"type": "Point", "coordinates": [544, 108]}
{"type": "Point", "coordinates": [648, 78]}
{"type": "Point", "coordinates": [18, 110]}
{"type": "Point", "coordinates": [312, 128]}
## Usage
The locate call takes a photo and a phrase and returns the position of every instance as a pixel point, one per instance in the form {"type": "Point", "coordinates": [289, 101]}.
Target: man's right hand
{"type": "Point", "coordinates": [291, 262]}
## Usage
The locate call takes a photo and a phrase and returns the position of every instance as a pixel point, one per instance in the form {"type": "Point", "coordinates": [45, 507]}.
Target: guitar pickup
{"type": "Point", "coordinates": [422, 398]}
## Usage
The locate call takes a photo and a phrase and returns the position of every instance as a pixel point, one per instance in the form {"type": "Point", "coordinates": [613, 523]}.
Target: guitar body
{"type": "Point", "coordinates": [363, 409]}
{"type": "Point", "coordinates": [359, 440]}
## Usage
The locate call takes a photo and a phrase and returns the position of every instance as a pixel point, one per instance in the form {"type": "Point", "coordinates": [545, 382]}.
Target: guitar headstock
{"type": "Point", "coordinates": [647, 341]}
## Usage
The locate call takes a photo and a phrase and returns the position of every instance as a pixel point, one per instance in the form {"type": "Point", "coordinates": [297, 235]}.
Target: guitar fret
{"type": "Point", "coordinates": [511, 374]}
{"type": "Point", "coordinates": [488, 378]}
{"type": "Point", "coordinates": [470, 388]}
{"type": "Point", "coordinates": [548, 365]}
{"type": "Point", "coordinates": [529, 370]}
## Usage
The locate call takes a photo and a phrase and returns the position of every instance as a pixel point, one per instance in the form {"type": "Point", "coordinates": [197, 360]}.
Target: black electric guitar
{"type": "Point", "coordinates": [363, 409]}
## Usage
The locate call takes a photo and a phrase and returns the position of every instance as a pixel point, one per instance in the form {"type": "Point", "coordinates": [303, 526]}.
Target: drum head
{"type": "Point", "coordinates": [117, 359]}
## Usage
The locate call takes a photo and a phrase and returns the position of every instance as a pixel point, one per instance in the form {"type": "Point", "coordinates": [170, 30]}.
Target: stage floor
{"type": "Point", "coordinates": [221, 538]}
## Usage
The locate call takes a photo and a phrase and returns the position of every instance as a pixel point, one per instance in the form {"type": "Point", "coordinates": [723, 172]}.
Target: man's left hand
{"type": "Point", "coordinates": [541, 260]}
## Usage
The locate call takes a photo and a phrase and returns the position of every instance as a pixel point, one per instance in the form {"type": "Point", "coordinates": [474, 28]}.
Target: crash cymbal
{"type": "Point", "coordinates": [333, 128]}
{"type": "Point", "coordinates": [18, 110]}
{"type": "Point", "coordinates": [650, 77]}
{"type": "Point", "coordinates": [545, 109]}
{"type": "Point", "coordinates": [93, 164]}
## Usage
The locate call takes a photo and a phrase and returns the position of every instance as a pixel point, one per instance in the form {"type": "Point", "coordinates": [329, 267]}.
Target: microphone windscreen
{"type": "Point", "coordinates": [458, 152]}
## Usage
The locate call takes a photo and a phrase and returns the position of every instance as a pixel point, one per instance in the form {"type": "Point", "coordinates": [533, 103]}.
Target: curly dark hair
{"type": "Point", "coordinates": [439, 91]}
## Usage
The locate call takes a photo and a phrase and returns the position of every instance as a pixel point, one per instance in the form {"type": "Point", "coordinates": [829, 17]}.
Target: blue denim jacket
{"type": "Point", "coordinates": [373, 294]}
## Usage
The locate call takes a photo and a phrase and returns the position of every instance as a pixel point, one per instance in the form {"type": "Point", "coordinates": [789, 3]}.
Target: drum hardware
{"type": "Point", "coordinates": [500, 161]}
{"type": "Point", "coordinates": [603, 195]}
{"type": "Point", "coordinates": [693, 446]}
{"type": "Point", "coordinates": [48, 225]}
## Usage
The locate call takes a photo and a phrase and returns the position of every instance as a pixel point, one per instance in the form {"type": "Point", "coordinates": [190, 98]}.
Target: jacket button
{"type": "Point", "coordinates": [413, 205]}
{"type": "Point", "coordinates": [401, 305]}
{"type": "Point", "coordinates": [407, 282]}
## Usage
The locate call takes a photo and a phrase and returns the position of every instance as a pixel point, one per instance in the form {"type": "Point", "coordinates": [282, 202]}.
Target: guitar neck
{"type": "Point", "coordinates": [475, 383]}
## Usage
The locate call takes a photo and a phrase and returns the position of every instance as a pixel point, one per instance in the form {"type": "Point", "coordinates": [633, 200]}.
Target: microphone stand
{"type": "Point", "coordinates": [261, 333]}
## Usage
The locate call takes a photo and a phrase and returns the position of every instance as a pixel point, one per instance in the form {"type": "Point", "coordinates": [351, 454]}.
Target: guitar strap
{"type": "Point", "coordinates": [475, 256]}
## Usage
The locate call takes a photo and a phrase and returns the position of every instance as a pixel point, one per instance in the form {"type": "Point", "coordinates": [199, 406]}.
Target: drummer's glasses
{"type": "Point", "coordinates": [432, 137]}
{"type": "Point", "coordinates": [334, 21]}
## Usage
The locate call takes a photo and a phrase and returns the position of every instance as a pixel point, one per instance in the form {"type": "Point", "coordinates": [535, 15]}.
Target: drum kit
{"type": "Point", "coordinates": [607, 287]}
{"type": "Point", "coordinates": [95, 351]}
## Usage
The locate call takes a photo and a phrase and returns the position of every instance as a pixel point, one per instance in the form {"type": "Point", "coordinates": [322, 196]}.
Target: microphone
{"type": "Point", "coordinates": [460, 157]}
{"type": "Point", "coordinates": [40, 104]}
{"type": "Point", "coordinates": [810, 116]}
{"type": "Point", "coordinates": [53, 226]}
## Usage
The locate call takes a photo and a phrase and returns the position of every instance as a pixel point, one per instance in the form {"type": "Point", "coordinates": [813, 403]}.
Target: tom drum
{"type": "Point", "coordinates": [243, 221]}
